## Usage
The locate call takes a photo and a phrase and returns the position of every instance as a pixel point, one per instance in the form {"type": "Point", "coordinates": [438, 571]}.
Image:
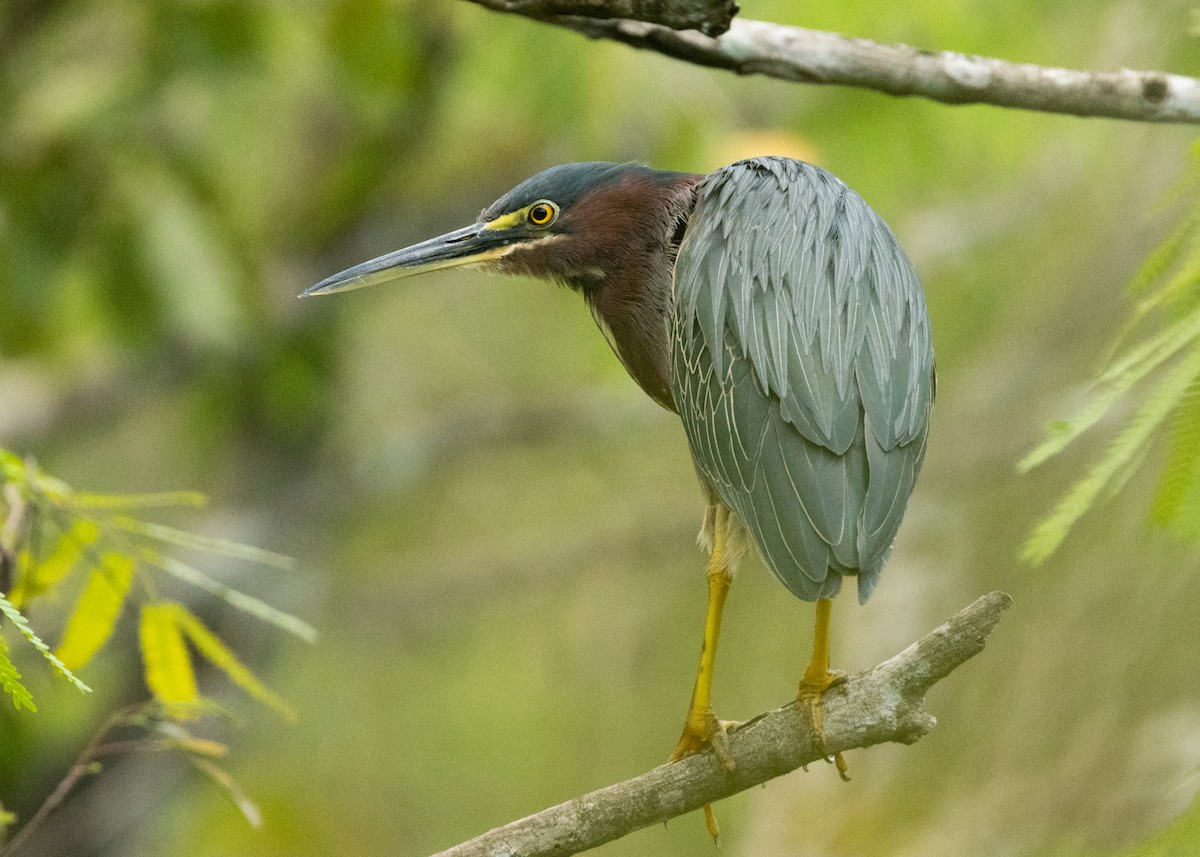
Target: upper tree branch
{"type": "Point", "coordinates": [884, 703]}
{"type": "Point", "coordinates": [813, 56]}
{"type": "Point", "coordinates": [711, 17]}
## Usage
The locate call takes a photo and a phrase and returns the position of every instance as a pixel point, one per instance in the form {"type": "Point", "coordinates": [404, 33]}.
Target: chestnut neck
{"type": "Point", "coordinates": [629, 291]}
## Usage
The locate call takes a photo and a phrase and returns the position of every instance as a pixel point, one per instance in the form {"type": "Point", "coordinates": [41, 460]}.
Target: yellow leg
{"type": "Point", "coordinates": [701, 726]}
{"type": "Point", "coordinates": [818, 678]}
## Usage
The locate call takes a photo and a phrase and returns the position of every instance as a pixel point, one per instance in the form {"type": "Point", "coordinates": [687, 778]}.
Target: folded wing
{"type": "Point", "coordinates": [802, 368]}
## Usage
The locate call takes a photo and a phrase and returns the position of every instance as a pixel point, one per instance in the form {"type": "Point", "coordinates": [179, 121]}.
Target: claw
{"type": "Point", "coordinates": [839, 762]}
{"type": "Point", "coordinates": [703, 728]}
{"type": "Point", "coordinates": [710, 821]}
{"type": "Point", "coordinates": [811, 688]}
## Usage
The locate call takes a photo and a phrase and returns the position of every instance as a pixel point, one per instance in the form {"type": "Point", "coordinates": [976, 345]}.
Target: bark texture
{"type": "Point", "coordinates": [710, 17]}
{"type": "Point", "coordinates": [881, 704]}
{"type": "Point", "coordinates": [814, 56]}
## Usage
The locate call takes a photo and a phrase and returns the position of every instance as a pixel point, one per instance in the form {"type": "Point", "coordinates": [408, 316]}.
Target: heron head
{"type": "Point", "coordinates": [574, 223]}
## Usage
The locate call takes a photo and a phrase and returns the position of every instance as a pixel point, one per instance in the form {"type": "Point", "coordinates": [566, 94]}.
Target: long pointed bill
{"type": "Point", "coordinates": [467, 246]}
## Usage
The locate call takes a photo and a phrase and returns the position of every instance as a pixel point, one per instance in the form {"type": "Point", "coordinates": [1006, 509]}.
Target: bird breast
{"type": "Point", "coordinates": [631, 302]}
{"type": "Point", "coordinates": [636, 322]}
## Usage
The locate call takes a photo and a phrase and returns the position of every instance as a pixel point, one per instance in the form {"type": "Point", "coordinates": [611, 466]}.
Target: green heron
{"type": "Point", "coordinates": [774, 311]}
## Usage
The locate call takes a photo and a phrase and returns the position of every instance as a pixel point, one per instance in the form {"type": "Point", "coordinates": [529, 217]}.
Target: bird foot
{"type": "Point", "coordinates": [814, 684]}
{"type": "Point", "coordinates": [702, 728]}
{"type": "Point", "coordinates": [809, 692]}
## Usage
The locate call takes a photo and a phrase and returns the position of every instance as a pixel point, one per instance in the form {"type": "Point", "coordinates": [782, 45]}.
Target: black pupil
{"type": "Point", "coordinates": [541, 213]}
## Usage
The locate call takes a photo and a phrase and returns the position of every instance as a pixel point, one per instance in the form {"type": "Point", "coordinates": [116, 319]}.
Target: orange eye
{"type": "Point", "coordinates": [542, 213]}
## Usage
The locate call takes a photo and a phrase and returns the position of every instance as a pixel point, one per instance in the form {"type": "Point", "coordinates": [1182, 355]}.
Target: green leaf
{"type": "Point", "coordinates": [1161, 401]}
{"type": "Point", "coordinates": [10, 680]}
{"type": "Point", "coordinates": [1173, 272]}
{"type": "Point", "coordinates": [1115, 382]}
{"type": "Point", "coordinates": [165, 658]}
{"type": "Point", "coordinates": [22, 624]}
{"type": "Point", "coordinates": [166, 499]}
{"type": "Point", "coordinates": [43, 576]}
{"type": "Point", "coordinates": [212, 647]}
{"type": "Point", "coordinates": [235, 598]}
{"type": "Point", "coordinates": [1165, 256]}
{"type": "Point", "coordinates": [1154, 351]}
{"type": "Point", "coordinates": [1180, 483]}
{"type": "Point", "coordinates": [232, 790]}
{"type": "Point", "coordinates": [95, 615]}
{"type": "Point", "coordinates": [12, 467]}
{"type": "Point", "coordinates": [184, 539]}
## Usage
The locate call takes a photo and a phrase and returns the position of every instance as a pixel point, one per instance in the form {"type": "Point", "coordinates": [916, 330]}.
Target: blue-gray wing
{"type": "Point", "coordinates": [802, 368]}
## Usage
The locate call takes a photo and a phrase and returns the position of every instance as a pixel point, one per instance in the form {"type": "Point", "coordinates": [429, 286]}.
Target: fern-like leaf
{"type": "Point", "coordinates": [10, 680]}
{"type": "Point", "coordinates": [95, 615]}
{"type": "Point", "coordinates": [1114, 383]}
{"type": "Point", "coordinates": [1159, 404]}
{"type": "Point", "coordinates": [212, 647]}
{"type": "Point", "coordinates": [166, 660]}
{"type": "Point", "coordinates": [162, 500]}
{"type": "Point", "coordinates": [1165, 256]}
{"type": "Point", "coordinates": [99, 534]}
{"type": "Point", "coordinates": [22, 624]}
{"type": "Point", "coordinates": [43, 576]}
{"type": "Point", "coordinates": [1181, 470]}
{"type": "Point", "coordinates": [184, 539]}
{"type": "Point", "coordinates": [1162, 361]}
{"type": "Point", "coordinates": [229, 786]}
{"type": "Point", "coordinates": [233, 597]}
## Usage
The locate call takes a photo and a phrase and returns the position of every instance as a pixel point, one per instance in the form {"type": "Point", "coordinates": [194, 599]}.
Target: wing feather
{"type": "Point", "coordinates": [802, 368]}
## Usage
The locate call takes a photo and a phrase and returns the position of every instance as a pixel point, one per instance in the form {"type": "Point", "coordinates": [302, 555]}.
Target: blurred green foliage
{"type": "Point", "coordinates": [56, 538]}
{"type": "Point", "coordinates": [493, 525]}
{"type": "Point", "coordinates": [52, 538]}
{"type": "Point", "coordinates": [156, 157]}
{"type": "Point", "coordinates": [1167, 360]}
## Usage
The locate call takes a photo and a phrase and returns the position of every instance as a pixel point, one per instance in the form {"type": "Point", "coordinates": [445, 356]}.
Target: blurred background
{"type": "Point", "coordinates": [495, 528]}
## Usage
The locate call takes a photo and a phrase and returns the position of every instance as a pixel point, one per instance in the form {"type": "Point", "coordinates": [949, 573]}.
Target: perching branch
{"type": "Point", "coordinates": [881, 704]}
{"type": "Point", "coordinates": [813, 56]}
